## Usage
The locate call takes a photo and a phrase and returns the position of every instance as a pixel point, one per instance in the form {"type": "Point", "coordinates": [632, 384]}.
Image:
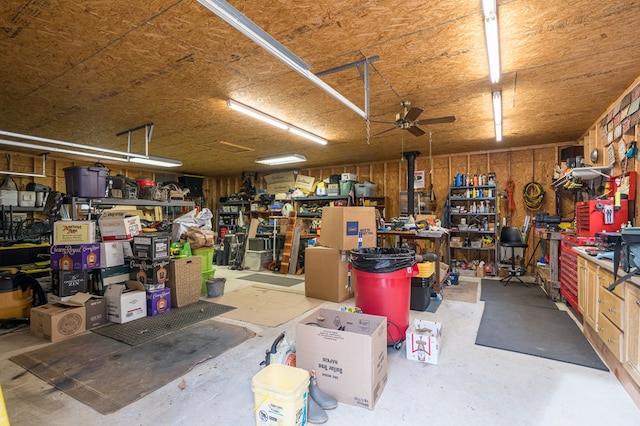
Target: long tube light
{"type": "Point", "coordinates": [236, 106]}
{"type": "Point", "coordinates": [100, 153]}
{"type": "Point", "coordinates": [61, 150]}
{"type": "Point", "coordinates": [156, 161]}
{"type": "Point", "coordinates": [247, 27]}
{"type": "Point", "coordinates": [491, 34]}
{"type": "Point", "coordinates": [69, 144]}
{"type": "Point", "coordinates": [497, 114]}
{"type": "Point", "coordinates": [282, 159]}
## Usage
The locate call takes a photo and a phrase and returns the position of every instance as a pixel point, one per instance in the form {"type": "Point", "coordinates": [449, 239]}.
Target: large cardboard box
{"type": "Point", "coordinates": [423, 339]}
{"type": "Point", "coordinates": [68, 283]}
{"type": "Point", "coordinates": [111, 254]}
{"type": "Point", "coordinates": [74, 232]}
{"type": "Point", "coordinates": [158, 301]}
{"type": "Point", "coordinates": [152, 273]}
{"type": "Point", "coordinates": [57, 322]}
{"type": "Point", "coordinates": [326, 272]}
{"type": "Point", "coordinates": [126, 302]}
{"type": "Point", "coordinates": [305, 183]}
{"type": "Point", "coordinates": [152, 246]}
{"type": "Point", "coordinates": [96, 312]}
{"type": "Point", "coordinates": [80, 257]}
{"type": "Point", "coordinates": [348, 351]}
{"type": "Point", "coordinates": [343, 226]}
{"type": "Point", "coordinates": [115, 225]}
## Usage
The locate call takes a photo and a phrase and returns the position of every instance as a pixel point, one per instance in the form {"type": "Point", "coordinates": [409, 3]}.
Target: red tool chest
{"type": "Point", "coordinates": [591, 217]}
{"type": "Point", "coordinates": [569, 267]}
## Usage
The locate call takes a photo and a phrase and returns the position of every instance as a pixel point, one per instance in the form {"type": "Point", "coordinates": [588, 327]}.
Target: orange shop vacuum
{"type": "Point", "coordinates": [19, 292]}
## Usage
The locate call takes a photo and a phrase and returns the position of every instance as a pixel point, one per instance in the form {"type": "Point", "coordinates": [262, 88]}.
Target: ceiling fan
{"type": "Point", "coordinates": [408, 120]}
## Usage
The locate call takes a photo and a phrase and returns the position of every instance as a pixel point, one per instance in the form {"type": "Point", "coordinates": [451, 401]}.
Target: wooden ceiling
{"type": "Point", "coordinates": [84, 71]}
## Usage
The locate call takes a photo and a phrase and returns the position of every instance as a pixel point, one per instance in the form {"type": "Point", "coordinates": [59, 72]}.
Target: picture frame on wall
{"type": "Point", "coordinates": [419, 179]}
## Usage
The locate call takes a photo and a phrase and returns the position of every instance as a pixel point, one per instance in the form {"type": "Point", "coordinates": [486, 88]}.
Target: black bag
{"type": "Point", "coordinates": [627, 254]}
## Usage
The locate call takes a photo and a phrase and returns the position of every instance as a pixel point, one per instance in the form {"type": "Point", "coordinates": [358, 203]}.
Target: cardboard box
{"type": "Point", "coordinates": [152, 246]}
{"type": "Point", "coordinates": [150, 272]}
{"type": "Point", "coordinates": [276, 178]}
{"type": "Point", "coordinates": [348, 351]}
{"type": "Point", "coordinates": [114, 275]}
{"type": "Point", "coordinates": [342, 227]}
{"type": "Point", "coordinates": [115, 225]}
{"type": "Point", "coordinates": [68, 283]}
{"type": "Point", "coordinates": [257, 260]}
{"type": "Point", "coordinates": [57, 322]}
{"type": "Point", "coordinates": [326, 272]}
{"type": "Point", "coordinates": [185, 280]}
{"type": "Point", "coordinates": [278, 188]}
{"type": "Point", "coordinates": [158, 301]}
{"type": "Point", "coordinates": [74, 232]}
{"type": "Point", "coordinates": [423, 339]}
{"type": "Point", "coordinates": [96, 312]}
{"type": "Point", "coordinates": [80, 257]}
{"type": "Point", "coordinates": [348, 176]}
{"type": "Point", "coordinates": [127, 302]}
{"type": "Point", "coordinates": [305, 183]}
{"type": "Point", "coordinates": [111, 254]}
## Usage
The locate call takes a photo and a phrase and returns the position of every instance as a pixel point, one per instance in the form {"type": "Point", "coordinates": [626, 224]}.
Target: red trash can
{"type": "Point", "coordinates": [387, 294]}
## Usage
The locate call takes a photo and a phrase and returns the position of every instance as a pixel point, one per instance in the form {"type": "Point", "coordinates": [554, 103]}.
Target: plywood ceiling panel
{"type": "Point", "coordinates": [84, 71]}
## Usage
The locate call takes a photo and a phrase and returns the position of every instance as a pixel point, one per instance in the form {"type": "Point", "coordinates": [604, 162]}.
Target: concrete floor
{"type": "Point", "coordinates": [471, 385]}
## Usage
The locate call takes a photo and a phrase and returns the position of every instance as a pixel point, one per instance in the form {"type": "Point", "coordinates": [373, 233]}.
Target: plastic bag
{"type": "Point", "coordinates": [199, 219]}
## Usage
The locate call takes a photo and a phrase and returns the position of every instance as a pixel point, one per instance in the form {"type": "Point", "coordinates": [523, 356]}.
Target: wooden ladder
{"type": "Point", "coordinates": [290, 243]}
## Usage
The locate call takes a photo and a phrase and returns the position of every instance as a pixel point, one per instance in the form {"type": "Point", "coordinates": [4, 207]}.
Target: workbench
{"type": "Point", "coordinates": [439, 241]}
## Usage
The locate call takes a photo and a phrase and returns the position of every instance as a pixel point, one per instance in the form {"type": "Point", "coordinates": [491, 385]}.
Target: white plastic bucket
{"type": "Point", "coordinates": [280, 395]}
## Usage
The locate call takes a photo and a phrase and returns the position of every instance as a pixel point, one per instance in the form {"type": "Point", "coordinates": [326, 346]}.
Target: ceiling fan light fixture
{"type": "Point", "coordinates": [492, 39]}
{"type": "Point", "coordinates": [497, 114]}
{"type": "Point", "coordinates": [282, 159]}
{"type": "Point", "coordinates": [266, 118]}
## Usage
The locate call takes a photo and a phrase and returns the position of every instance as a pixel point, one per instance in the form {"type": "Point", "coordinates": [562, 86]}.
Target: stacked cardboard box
{"type": "Point", "coordinates": [150, 267]}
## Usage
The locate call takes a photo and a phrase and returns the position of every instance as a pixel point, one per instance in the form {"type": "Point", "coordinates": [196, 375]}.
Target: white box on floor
{"type": "Point", "coordinates": [423, 341]}
{"type": "Point", "coordinates": [126, 303]}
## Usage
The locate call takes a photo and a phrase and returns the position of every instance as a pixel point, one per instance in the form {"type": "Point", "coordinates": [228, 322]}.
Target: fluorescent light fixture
{"type": "Point", "coordinates": [240, 22]}
{"type": "Point", "coordinates": [491, 34]}
{"type": "Point", "coordinates": [236, 106]}
{"type": "Point", "coordinates": [99, 153]}
{"type": "Point", "coordinates": [61, 150]}
{"type": "Point", "coordinates": [156, 161]}
{"type": "Point", "coordinates": [497, 114]}
{"type": "Point", "coordinates": [256, 114]}
{"type": "Point", "coordinates": [282, 159]}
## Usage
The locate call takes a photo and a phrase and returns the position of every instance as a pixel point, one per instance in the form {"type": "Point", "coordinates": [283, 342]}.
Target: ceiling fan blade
{"type": "Point", "coordinates": [415, 130]}
{"type": "Point", "coordinates": [413, 113]}
{"type": "Point", "coordinates": [437, 120]}
{"type": "Point", "coordinates": [384, 131]}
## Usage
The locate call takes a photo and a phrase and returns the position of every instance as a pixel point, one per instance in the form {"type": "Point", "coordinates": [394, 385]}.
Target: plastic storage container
{"type": "Point", "coordinates": [421, 292]}
{"type": "Point", "coordinates": [86, 182]}
{"type": "Point", "coordinates": [280, 395]}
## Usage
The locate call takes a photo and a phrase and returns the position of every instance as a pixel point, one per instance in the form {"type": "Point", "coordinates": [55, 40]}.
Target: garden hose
{"type": "Point", "coordinates": [533, 194]}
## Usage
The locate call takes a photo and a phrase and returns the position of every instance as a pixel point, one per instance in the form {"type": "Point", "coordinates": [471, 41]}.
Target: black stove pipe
{"type": "Point", "coordinates": [411, 166]}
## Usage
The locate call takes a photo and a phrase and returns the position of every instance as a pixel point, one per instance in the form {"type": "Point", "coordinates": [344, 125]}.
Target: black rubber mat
{"type": "Point", "coordinates": [516, 293]}
{"type": "Point", "coordinates": [275, 279]}
{"type": "Point", "coordinates": [144, 329]}
{"type": "Point", "coordinates": [535, 330]}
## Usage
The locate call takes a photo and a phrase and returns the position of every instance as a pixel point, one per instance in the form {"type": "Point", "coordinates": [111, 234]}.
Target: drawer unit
{"type": "Point", "coordinates": [611, 306]}
{"type": "Point", "coordinates": [605, 278]}
{"type": "Point", "coordinates": [569, 271]}
{"type": "Point", "coordinates": [611, 336]}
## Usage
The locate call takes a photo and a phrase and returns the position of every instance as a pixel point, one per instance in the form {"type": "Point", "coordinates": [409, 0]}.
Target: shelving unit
{"type": "Point", "coordinates": [229, 215]}
{"type": "Point", "coordinates": [470, 219]}
{"type": "Point", "coordinates": [311, 207]}
{"type": "Point", "coordinates": [110, 202]}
